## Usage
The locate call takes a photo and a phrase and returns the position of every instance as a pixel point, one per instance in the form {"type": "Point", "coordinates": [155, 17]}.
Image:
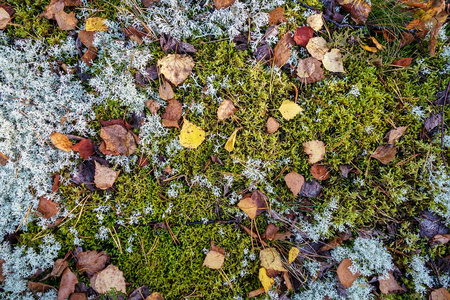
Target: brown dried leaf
{"type": "Point", "coordinates": [337, 241]}
{"type": "Point", "coordinates": [153, 106]}
{"type": "Point", "coordinates": [315, 150]}
{"type": "Point", "coordinates": [346, 277]}
{"type": "Point", "coordinates": [432, 121]}
{"type": "Point", "coordinates": [295, 182]}
{"type": "Point", "coordinates": [104, 177]}
{"type": "Point", "coordinates": [108, 279]}
{"type": "Point", "coordinates": [317, 47]}
{"type": "Point", "coordinates": [441, 239]}
{"type": "Point", "coordinates": [85, 147]}
{"type": "Point", "coordinates": [66, 21]}
{"type": "Point", "coordinates": [395, 134]}
{"type": "Point", "coordinates": [282, 50]}
{"type": "Point", "coordinates": [287, 281]}
{"type": "Point", "coordinates": [3, 159]}
{"type": "Point", "coordinates": [155, 296]}
{"type": "Point", "coordinates": [440, 294]}
{"type": "Point", "coordinates": [271, 260]}
{"type": "Point", "coordinates": [117, 140]}
{"type": "Point", "coordinates": [91, 262]}
{"type": "Point", "coordinates": [89, 56]}
{"type": "Point", "coordinates": [315, 21]}
{"type": "Point", "coordinates": [58, 267]}
{"type": "Point", "coordinates": [51, 9]}
{"type": "Point", "coordinates": [5, 18]}
{"type": "Point", "coordinates": [359, 10]}
{"type": "Point", "coordinates": [78, 296]}
{"type": "Point", "coordinates": [385, 154]}
{"type": "Point", "coordinates": [176, 68]}
{"type": "Point", "coordinates": [172, 114]}
{"type": "Point", "coordinates": [271, 232]}
{"type": "Point", "coordinates": [135, 35]}
{"type": "Point", "coordinates": [402, 62]}
{"type": "Point", "coordinates": [166, 91]}
{"type": "Point", "coordinates": [253, 204]}
{"type": "Point", "coordinates": [309, 70]}
{"type": "Point", "coordinates": [73, 3]}
{"type": "Point", "coordinates": [67, 285]}
{"type": "Point", "coordinates": [47, 207]}
{"type": "Point", "coordinates": [390, 285]}
{"type": "Point", "coordinates": [277, 16]}
{"type": "Point", "coordinates": [148, 3]}
{"type": "Point", "coordinates": [302, 35]}
{"type": "Point", "coordinates": [226, 110]}
{"type": "Point", "coordinates": [272, 125]}
{"type": "Point", "coordinates": [39, 287]}
{"type": "Point", "coordinates": [215, 257]}
{"type": "Point", "coordinates": [2, 277]}
{"type": "Point", "coordinates": [61, 141]}
{"type": "Point", "coordinates": [256, 293]}
{"type": "Point", "coordinates": [332, 61]}
{"type": "Point", "coordinates": [320, 172]}
{"type": "Point", "coordinates": [87, 38]}
{"type": "Point", "coordinates": [223, 3]}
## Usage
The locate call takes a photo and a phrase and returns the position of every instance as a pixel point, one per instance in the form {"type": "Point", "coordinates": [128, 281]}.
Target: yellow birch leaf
{"type": "Point", "coordinates": [191, 136]}
{"type": "Point", "coordinates": [377, 44]}
{"type": "Point", "coordinates": [370, 49]}
{"type": "Point", "coordinates": [289, 109]}
{"type": "Point", "coordinates": [293, 253]}
{"type": "Point", "coordinates": [271, 260]}
{"type": "Point", "coordinates": [96, 24]}
{"type": "Point", "coordinates": [61, 141]}
{"type": "Point", "coordinates": [229, 146]}
{"type": "Point", "coordinates": [266, 281]}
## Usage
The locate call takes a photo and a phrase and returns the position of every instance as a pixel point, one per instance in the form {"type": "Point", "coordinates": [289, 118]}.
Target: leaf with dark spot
{"type": "Point", "coordinates": [432, 121]}
{"type": "Point", "coordinates": [311, 189]}
{"type": "Point", "coordinates": [430, 225]}
{"type": "Point", "coordinates": [385, 154]}
{"type": "Point", "coordinates": [91, 262]}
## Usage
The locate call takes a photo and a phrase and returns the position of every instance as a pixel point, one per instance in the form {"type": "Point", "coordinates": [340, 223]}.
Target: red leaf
{"type": "Point", "coordinates": [47, 207]}
{"type": "Point", "coordinates": [302, 35]}
{"type": "Point", "coordinates": [85, 147]}
{"type": "Point", "coordinates": [402, 62]}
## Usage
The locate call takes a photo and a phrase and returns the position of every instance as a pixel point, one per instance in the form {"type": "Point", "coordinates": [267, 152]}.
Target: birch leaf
{"type": "Point", "coordinates": [332, 61]}
{"type": "Point", "coordinates": [289, 109]}
{"type": "Point", "coordinates": [96, 24]}
{"type": "Point", "coordinates": [315, 150]}
{"type": "Point", "coordinates": [229, 146]}
{"type": "Point", "coordinates": [293, 253]}
{"type": "Point", "coordinates": [266, 281]}
{"type": "Point", "coordinates": [315, 21]}
{"type": "Point", "coordinates": [176, 68]}
{"type": "Point", "coordinates": [61, 141]}
{"type": "Point", "coordinates": [270, 259]}
{"type": "Point", "coordinates": [191, 136]}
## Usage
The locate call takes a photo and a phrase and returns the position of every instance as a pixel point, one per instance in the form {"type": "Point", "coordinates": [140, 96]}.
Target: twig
{"type": "Point", "coordinates": [442, 126]}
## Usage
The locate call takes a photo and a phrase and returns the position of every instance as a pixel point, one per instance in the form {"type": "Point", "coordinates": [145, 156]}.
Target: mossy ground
{"type": "Point", "coordinates": [352, 127]}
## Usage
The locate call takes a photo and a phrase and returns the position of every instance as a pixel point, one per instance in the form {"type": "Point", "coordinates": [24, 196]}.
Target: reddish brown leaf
{"type": "Point", "coordinates": [155, 296]}
{"type": "Point", "coordinates": [89, 56]}
{"type": "Point", "coordinates": [385, 154]}
{"type": "Point", "coordinates": [359, 10]}
{"type": "Point", "coordinates": [47, 207]}
{"type": "Point", "coordinates": [117, 140]}
{"type": "Point", "coordinates": [309, 70]}
{"type": "Point", "coordinates": [256, 293]}
{"type": "Point", "coordinates": [39, 287]}
{"type": "Point", "coordinates": [73, 3]}
{"type": "Point", "coordinates": [91, 262]}
{"type": "Point", "coordinates": [87, 38]}
{"type": "Point", "coordinates": [271, 232]}
{"type": "Point", "coordinates": [78, 296]}
{"type": "Point", "coordinates": [320, 172]}
{"type": "Point", "coordinates": [337, 241]}
{"type": "Point", "coordinates": [134, 34]}
{"type": "Point", "coordinates": [346, 277]}
{"type": "Point", "coordinates": [3, 159]}
{"type": "Point", "coordinates": [85, 147]}
{"type": "Point", "coordinates": [390, 285]}
{"type": "Point", "coordinates": [59, 267]}
{"type": "Point", "coordinates": [441, 239]}
{"type": "Point", "coordinates": [223, 3]}
{"type": "Point", "coordinates": [55, 186]}
{"type": "Point", "coordinates": [402, 62]}
{"type": "Point", "coordinates": [277, 16]}
{"type": "Point", "coordinates": [272, 125]}
{"type": "Point", "coordinates": [440, 294]}
{"type": "Point", "coordinates": [302, 35]}
{"type": "Point", "coordinates": [282, 50]}
{"type": "Point", "coordinates": [66, 21]}
{"type": "Point", "coordinates": [2, 277]}
{"type": "Point", "coordinates": [54, 7]}
{"type": "Point", "coordinates": [67, 285]}
{"type": "Point", "coordinates": [172, 114]}
{"type": "Point", "coordinates": [295, 182]}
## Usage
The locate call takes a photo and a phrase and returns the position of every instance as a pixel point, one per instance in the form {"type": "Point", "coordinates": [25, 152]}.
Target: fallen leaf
{"type": "Point", "coordinates": [226, 110]}
{"type": "Point", "coordinates": [117, 140]}
{"type": "Point", "coordinates": [263, 52]}
{"type": "Point", "coordinates": [402, 62]}
{"type": "Point", "coordinates": [389, 285]}
{"type": "Point", "coordinates": [166, 91]}
{"type": "Point", "coordinates": [78, 296]}
{"type": "Point", "coordinates": [257, 292]}
{"type": "Point", "coordinates": [219, 4]}
{"type": "Point", "coordinates": [104, 177]}
{"type": "Point", "coordinates": [282, 50]}
{"type": "Point", "coordinates": [359, 10]}
{"type": "Point", "coordinates": [302, 35]}
{"type": "Point", "coordinates": [395, 134]}
{"type": "Point", "coordinates": [317, 47]}
{"type": "Point", "coordinates": [5, 18]}
{"type": "Point", "coordinates": [229, 145]}
{"type": "Point", "coordinates": [39, 287]}
{"type": "Point", "coordinates": [320, 172]}
{"type": "Point", "coordinates": [153, 106]}
{"type": "Point", "coordinates": [176, 68]}
{"type": "Point", "coordinates": [432, 121]}
{"type": "Point", "coordinates": [155, 296]}
{"type": "Point", "coordinates": [293, 253]}
{"type": "Point", "coordinates": [253, 204]}
{"type": "Point", "coordinates": [295, 182]}
{"type": "Point", "coordinates": [337, 241]}
{"type": "Point", "coordinates": [168, 44]}
{"type": "Point", "coordinates": [61, 141]}
{"type": "Point", "coordinates": [47, 207]}
{"type": "Point", "coordinates": [332, 61]}
{"type": "Point", "coordinates": [311, 189]}
{"type": "Point", "coordinates": [272, 125]}
{"type": "Point", "coordinates": [270, 232]}
{"type": "Point", "coordinates": [109, 278]}
{"type": "Point", "coordinates": [345, 276]}
{"type": "Point", "coordinates": [215, 257]}
{"type": "Point", "coordinates": [376, 43]}
{"type": "Point", "coordinates": [73, 3]}
{"type": "Point", "coordinates": [315, 150]}
{"type": "Point", "coordinates": [266, 281]}
{"type": "Point", "coordinates": [96, 24]}
{"type": "Point", "coordinates": [85, 174]}
{"type": "Point", "coordinates": [289, 109]}
{"type": "Point", "coordinates": [51, 9]}
{"type": "Point", "coordinates": [309, 70]}
{"type": "Point", "coordinates": [441, 239]}
{"type": "Point", "coordinates": [148, 3]}
{"type": "Point", "coordinates": [440, 294]}
{"type": "Point", "coordinates": [191, 136]}
{"type": "Point", "coordinates": [431, 225]}
{"type": "Point", "coordinates": [271, 260]}
{"type": "Point", "coordinates": [315, 21]}
{"type": "Point", "coordinates": [85, 147]}
{"type": "Point", "coordinates": [385, 154]}
{"type": "Point", "coordinates": [89, 56]}
{"type": "Point", "coordinates": [287, 281]}
{"type": "Point", "coordinates": [172, 114]}
{"type": "Point", "coordinates": [369, 48]}
{"type": "Point", "coordinates": [277, 16]}
{"type": "Point", "coordinates": [66, 21]}
{"type": "Point", "coordinates": [91, 262]}
{"type": "Point", "coordinates": [2, 277]}
{"type": "Point", "coordinates": [59, 267]}
{"type": "Point", "coordinates": [67, 285]}
{"type": "Point", "coordinates": [3, 159]}
{"type": "Point", "coordinates": [135, 35]}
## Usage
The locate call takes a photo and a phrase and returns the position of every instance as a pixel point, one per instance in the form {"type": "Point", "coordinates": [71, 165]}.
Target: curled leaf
{"type": "Point", "coordinates": [229, 145]}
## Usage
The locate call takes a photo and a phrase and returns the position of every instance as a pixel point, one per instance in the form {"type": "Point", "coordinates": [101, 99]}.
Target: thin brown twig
{"type": "Point", "coordinates": [442, 125]}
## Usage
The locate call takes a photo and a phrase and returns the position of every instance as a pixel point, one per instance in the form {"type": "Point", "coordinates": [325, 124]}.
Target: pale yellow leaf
{"type": "Point", "coordinates": [317, 47]}
{"type": "Point", "coordinates": [175, 67]}
{"type": "Point", "coordinates": [61, 141]}
{"type": "Point", "coordinates": [289, 109]}
{"type": "Point", "coordinates": [5, 18]}
{"type": "Point", "coordinates": [96, 24]}
{"type": "Point", "coordinates": [293, 253]}
{"type": "Point", "coordinates": [315, 21]}
{"type": "Point", "coordinates": [266, 281]}
{"type": "Point", "coordinates": [370, 49]}
{"type": "Point", "coordinates": [214, 260]}
{"type": "Point", "coordinates": [191, 136]}
{"type": "Point", "coordinates": [229, 145]}
{"type": "Point", "coordinates": [270, 259]}
{"type": "Point", "coordinates": [315, 150]}
{"type": "Point", "coordinates": [332, 61]}
{"type": "Point", "coordinates": [108, 279]}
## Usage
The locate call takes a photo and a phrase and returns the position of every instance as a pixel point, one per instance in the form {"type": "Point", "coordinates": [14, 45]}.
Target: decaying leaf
{"type": "Point", "coordinates": [295, 182]}
{"type": "Point", "coordinates": [78, 296]}
{"type": "Point", "coordinates": [176, 68]}
{"type": "Point", "coordinates": [61, 141]}
{"type": "Point", "coordinates": [85, 147]}
{"type": "Point", "coordinates": [117, 139]}
{"type": "Point", "coordinates": [315, 150]}
{"type": "Point", "coordinates": [377, 44]}
{"type": "Point", "coordinates": [109, 278]}
{"type": "Point", "coordinates": [337, 241]}
{"type": "Point", "coordinates": [223, 3]}
{"type": "Point", "coordinates": [272, 125]}
{"type": "Point", "coordinates": [441, 239]}
{"type": "Point", "coordinates": [309, 70]}
{"type": "Point", "coordinates": [191, 136]}
{"type": "Point", "coordinates": [3, 159]}
{"type": "Point", "coordinates": [385, 154]}
{"type": "Point", "coordinates": [271, 260]}
{"type": "Point", "coordinates": [229, 145]}
{"type": "Point", "coordinates": [59, 267]}
{"type": "Point", "coordinates": [395, 134]}
{"type": "Point", "coordinates": [317, 47]}
{"type": "Point", "coordinates": [359, 10]}
{"type": "Point", "coordinates": [402, 62]}
{"type": "Point", "coordinates": [2, 277]}
{"type": "Point", "coordinates": [320, 172]}
{"type": "Point", "coordinates": [271, 232]}
{"type": "Point", "coordinates": [440, 294]}
{"type": "Point", "coordinates": [215, 257]}
{"type": "Point", "coordinates": [96, 24]}
{"type": "Point", "coordinates": [66, 21]}
{"type": "Point", "coordinates": [166, 91]}
{"type": "Point", "coordinates": [266, 281]}
{"type": "Point", "coordinates": [315, 21]}
{"type": "Point", "coordinates": [369, 48]}
{"type": "Point", "coordinates": [277, 16]}
{"type": "Point", "coordinates": [155, 296]}
{"type": "Point", "coordinates": [39, 287]}
{"type": "Point", "coordinates": [431, 225]}
{"type": "Point", "coordinates": [302, 35]}
{"type": "Point", "coordinates": [226, 110]}
{"type": "Point", "coordinates": [253, 204]}
{"type": "Point", "coordinates": [345, 276]}
{"type": "Point", "coordinates": [47, 207]}
{"type": "Point", "coordinates": [67, 285]}
{"type": "Point", "coordinates": [282, 50]}
{"type": "Point", "coordinates": [153, 106]}
{"type": "Point", "coordinates": [54, 7]}
{"type": "Point", "coordinates": [172, 114]}
{"type": "Point", "coordinates": [91, 262]}
{"type": "Point", "coordinates": [257, 292]}
{"type": "Point", "coordinates": [73, 3]}
{"type": "Point", "coordinates": [289, 109]}
{"type": "Point", "coordinates": [389, 285]}
{"type": "Point", "coordinates": [432, 121]}
{"type": "Point", "coordinates": [332, 61]}
{"type": "Point", "coordinates": [293, 253]}
{"type": "Point", "coordinates": [89, 56]}
{"type": "Point", "coordinates": [311, 189]}
{"type": "Point", "coordinates": [135, 35]}
{"type": "Point", "coordinates": [5, 18]}
{"type": "Point", "coordinates": [104, 177]}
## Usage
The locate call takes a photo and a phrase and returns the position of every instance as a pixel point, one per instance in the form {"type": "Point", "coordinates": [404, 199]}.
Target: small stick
{"type": "Point", "coordinates": [442, 125]}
